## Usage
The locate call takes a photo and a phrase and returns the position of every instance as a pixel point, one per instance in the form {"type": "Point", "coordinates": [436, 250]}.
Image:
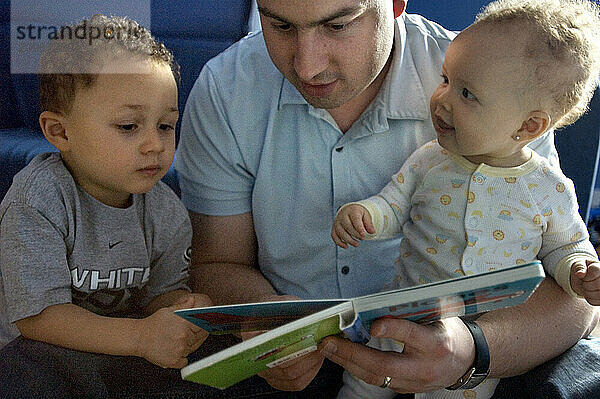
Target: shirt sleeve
{"type": "Point", "coordinates": [211, 168]}
{"type": "Point", "coordinates": [33, 262]}
{"type": "Point", "coordinates": [565, 235]}
{"type": "Point", "coordinates": [390, 208]}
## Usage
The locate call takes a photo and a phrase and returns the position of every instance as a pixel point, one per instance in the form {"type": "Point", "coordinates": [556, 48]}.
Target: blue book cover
{"type": "Point", "coordinates": [297, 327]}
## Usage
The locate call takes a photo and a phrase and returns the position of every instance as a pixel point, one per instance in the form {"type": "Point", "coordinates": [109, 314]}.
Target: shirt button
{"type": "Point", "coordinates": [345, 270]}
{"type": "Point", "coordinates": [339, 149]}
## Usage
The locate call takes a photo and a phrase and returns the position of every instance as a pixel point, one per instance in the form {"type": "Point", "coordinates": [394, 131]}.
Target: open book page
{"type": "Point", "coordinates": [260, 316]}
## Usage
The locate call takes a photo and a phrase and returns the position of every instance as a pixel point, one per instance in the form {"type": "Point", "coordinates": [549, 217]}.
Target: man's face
{"type": "Point", "coordinates": [330, 50]}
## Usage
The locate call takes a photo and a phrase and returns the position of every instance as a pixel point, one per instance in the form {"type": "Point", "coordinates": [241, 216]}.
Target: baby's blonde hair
{"type": "Point", "coordinates": [564, 49]}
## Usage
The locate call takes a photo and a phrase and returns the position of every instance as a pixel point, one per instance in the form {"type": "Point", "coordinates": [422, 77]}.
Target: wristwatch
{"type": "Point", "coordinates": [481, 366]}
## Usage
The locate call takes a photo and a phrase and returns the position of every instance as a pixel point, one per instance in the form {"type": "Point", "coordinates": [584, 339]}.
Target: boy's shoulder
{"type": "Point", "coordinates": [162, 194]}
{"type": "Point", "coordinates": [164, 206]}
{"type": "Point", "coordinates": [37, 183]}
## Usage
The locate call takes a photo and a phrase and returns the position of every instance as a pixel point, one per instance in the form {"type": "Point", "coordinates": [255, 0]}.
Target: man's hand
{"type": "Point", "coordinates": [435, 355]}
{"type": "Point", "coordinates": [293, 375]}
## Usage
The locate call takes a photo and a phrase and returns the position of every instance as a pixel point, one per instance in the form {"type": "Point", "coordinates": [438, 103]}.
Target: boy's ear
{"type": "Point", "coordinates": [536, 124]}
{"type": "Point", "coordinates": [399, 6]}
{"type": "Point", "coordinates": [53, 126]}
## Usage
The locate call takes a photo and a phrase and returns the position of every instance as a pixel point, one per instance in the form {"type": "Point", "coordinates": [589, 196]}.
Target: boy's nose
{"type": "Point", "coordinates": [152, 142]}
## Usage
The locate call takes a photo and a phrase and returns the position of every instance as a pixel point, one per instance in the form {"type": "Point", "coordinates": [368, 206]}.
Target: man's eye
{"type": "Point", "coordinates": [337, 27]}
{"type": "Point", "coordinates": [468, 95]}
{"type": "Point", "coordinates": [282, 27]}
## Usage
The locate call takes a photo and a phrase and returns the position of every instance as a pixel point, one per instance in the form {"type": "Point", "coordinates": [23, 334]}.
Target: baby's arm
{"type": "Point", "coordinates": [162, 338]}
{"type": "Point", "coordinates": [585, 279]}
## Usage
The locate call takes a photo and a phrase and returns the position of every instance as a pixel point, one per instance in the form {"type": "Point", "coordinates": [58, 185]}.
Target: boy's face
{"type": "Point", "coordinates": [121, 133]}
{"type": "Point", "coordinates": [479, 106]}
{"type": "Point", "coordinates": [330, 50]}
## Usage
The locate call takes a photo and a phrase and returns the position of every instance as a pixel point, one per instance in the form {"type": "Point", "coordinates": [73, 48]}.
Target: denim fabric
{"type": "Point", "coordinates": [32, 369]}
{"type": "Point", "coordinates": [573, 375]}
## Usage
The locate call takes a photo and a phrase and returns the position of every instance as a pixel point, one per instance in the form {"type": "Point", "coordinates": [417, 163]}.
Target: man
{"type": "Point", "coordinates": [287, 125]}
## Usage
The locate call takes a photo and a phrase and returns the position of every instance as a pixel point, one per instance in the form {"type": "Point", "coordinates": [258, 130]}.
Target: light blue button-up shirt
{"type": "Point", "coordinates": [251, 143]}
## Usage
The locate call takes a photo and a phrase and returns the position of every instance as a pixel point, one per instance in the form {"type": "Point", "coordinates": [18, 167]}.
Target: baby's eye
{"type": "Point", "coordinates": [444, 79]}
{"type": "Point", "coordinates": [468, 95]}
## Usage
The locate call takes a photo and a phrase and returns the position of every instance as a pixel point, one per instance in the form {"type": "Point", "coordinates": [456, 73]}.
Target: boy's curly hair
{"type": "Point", "coordinates": [71, 61]}
{"type": "Point", "coordinates": [564, 49]}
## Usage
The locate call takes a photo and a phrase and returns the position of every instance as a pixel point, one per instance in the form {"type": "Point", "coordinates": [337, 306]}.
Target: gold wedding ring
{"type": "Point", "coordinates": [386, 381]}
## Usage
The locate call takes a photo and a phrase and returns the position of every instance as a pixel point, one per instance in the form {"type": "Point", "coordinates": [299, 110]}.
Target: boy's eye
{"type": "Point", "coordinates": [166, 127]}
{"type": "Point", "coordinates": [128, 127]}
{"type": "Point", "coordinates": [468, 95]}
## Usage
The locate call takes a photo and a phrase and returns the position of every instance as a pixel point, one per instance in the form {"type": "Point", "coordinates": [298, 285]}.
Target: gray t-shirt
{"type": "Point", "coordinates": [58, 245]}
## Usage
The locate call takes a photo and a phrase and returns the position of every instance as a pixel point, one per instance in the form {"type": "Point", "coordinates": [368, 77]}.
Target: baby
{"type": "Point", "coordinates": [478, 199]}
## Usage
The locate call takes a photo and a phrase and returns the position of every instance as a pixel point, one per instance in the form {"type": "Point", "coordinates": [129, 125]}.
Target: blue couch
{"type": "Point", "coordinates": [197, 30]}
{"type": "Point", "coordinates": [194, 30]}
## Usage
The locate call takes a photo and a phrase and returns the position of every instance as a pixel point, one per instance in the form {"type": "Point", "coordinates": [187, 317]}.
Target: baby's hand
{"type": "Point", "coordinates": [351, 224]}
{"type": "Point", "coordinates": [585, 280]}
{"type": "Point", "coordinates": [166, 339]}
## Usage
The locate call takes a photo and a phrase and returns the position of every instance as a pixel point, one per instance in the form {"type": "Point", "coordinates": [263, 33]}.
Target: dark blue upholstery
{"type": "Point", "coordinates": [577, 144]}
{"type": "Point", "coordinates": [194, 30]}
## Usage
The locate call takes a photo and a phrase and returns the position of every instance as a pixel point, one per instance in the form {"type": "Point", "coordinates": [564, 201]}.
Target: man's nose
{"type": "Point", "coordinates": [310, 57]}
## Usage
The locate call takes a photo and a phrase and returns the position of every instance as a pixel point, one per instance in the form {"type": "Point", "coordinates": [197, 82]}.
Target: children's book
{"type": "Point", "coordinates": [296, 328]}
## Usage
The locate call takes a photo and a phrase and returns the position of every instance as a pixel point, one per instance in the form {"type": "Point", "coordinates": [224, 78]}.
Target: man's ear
{"type": "Point", "coordinates": [53, 126]}
{"type": "Point", "coordinates": [399, 6]}
{"type": "Point", "coordinates": [536, 124]}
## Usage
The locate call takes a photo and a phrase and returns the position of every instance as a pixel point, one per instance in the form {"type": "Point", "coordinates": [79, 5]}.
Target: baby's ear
{"type": "Point", "coordinates": [53, 126]}
{"type": "Point", "coordinates": [536, 124]}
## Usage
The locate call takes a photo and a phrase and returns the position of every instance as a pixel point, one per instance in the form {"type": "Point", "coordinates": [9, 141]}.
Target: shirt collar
{"type": "Point", "coordinates": [402, 95]}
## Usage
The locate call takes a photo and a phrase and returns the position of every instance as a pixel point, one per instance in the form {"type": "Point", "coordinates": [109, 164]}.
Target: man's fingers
{"type": "Point", "coordinates": [370, 365]}
{"type": "Point", "coordinates": [294, 375]}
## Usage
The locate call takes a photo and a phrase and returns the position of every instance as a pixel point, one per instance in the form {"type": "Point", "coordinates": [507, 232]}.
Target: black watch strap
{"type": "Point", "coordinates": [481, 366]}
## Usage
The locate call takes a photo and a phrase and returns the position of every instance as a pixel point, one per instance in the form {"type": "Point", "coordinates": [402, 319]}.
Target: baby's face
{"type": "Point", "coordinates": [121, 133]}
{"type": "Point", "coordinates": [477, 109]}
